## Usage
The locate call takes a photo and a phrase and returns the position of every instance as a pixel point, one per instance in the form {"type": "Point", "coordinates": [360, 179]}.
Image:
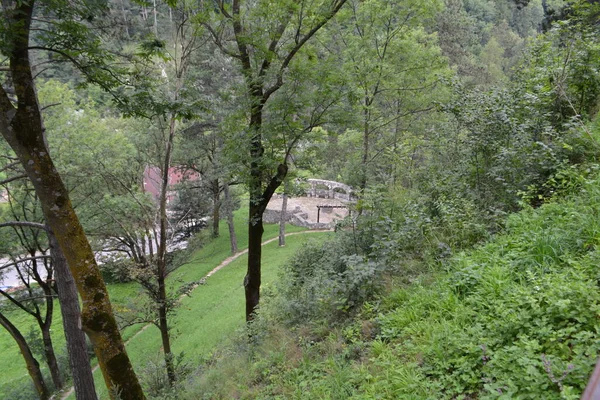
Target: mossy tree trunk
{"type": "Point", "coordinates": [21, 125]}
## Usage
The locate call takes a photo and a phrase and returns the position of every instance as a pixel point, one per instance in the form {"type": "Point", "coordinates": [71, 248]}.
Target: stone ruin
{"type": "Point", "coordinates": [311, 212]}
{"type": "Point", "coordinates": [330, 190]}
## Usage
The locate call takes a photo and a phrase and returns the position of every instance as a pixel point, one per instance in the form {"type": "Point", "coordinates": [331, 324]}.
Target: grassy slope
{"type": "Point", "coordinates": [12, 367]}
{"type": "Point", "coordinates": [515, 318]}
{"type": "Point", "coordinates": [213, 311]}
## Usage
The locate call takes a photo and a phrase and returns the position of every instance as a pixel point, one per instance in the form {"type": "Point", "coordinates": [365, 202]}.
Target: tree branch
{"type": "Point", "coordinates": [337, 5]}
{"type": "Point", "coordinates": [27, 224]}
{"type": "Point", "coordinates": [12, 264]}
{"type": "Point", "coordinates": [12, 179]}
{"type": "Point", "coordinates": [274, 183]}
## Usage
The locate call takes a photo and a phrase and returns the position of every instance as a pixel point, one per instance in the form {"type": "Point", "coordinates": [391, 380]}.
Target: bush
{"type": "Point", "coordinates": [117, 271]}
{"type": "Point", "coordinates": [517, 318]}
{"type": "Point", "coordinates": [155, 381]}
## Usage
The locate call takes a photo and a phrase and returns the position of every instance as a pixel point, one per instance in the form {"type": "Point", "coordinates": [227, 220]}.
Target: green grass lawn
{"type": "Point", "coordinates": [12, 367]}
{"type": "Point", "coordinates": [212, 311]}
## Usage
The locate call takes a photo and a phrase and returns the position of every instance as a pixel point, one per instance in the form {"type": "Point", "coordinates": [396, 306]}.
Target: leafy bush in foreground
{"type": "Point", "coordinates": [517, 318]}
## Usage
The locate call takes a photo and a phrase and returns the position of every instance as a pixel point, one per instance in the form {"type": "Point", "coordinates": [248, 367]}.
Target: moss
{"type": "Point", "coordinates": [60, 201]}
{"type": "Point", "coordinates": [120, 369]}
{"type": "Point", "coordinates": [98, 297]}
{"type": "Point", "coordinates": [97, 322]}
{"type": "Point", "coordinates": [92, 281]}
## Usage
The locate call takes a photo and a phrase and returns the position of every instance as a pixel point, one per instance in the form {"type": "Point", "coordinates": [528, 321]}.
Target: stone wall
{"type": "Point", "coordinates": [335, 190]}
{"type": "Point", "coordinates": [299, 220]}
{"type": "Point", "coordinates": [271, 216]}
{"type": "Point", "coordinates": [295, 217]}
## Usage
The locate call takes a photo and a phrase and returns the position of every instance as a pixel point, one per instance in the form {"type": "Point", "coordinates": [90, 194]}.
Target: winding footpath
{"type": "Point", "coordinates": [223, 264]}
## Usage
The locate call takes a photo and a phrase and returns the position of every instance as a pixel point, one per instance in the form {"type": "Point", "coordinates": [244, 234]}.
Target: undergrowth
{"type": "Point", "coordinates": [516, 317]}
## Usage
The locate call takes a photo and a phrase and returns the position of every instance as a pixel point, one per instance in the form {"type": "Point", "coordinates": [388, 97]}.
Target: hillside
{"type": "Point", "coordinates": [149, 151]}
{"type": "Point", "coordinates": [516, 317]}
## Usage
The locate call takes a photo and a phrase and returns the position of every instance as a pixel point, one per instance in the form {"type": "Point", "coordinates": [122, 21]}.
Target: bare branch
{"type": "Point", "coordinates": [12, 179]}
{"type": "Point", "coordinates": [218, 41]}
{"type": "Point", "coordinates": [21, 260]}
{"type": "Point", "coordinates": [27, 224]}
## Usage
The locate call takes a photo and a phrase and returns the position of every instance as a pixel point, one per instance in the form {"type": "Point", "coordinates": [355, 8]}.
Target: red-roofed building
{"type": "Point", "coordinates": [152, 180]}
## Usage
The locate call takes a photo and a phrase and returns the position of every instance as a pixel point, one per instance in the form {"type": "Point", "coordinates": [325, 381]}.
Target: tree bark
{"type": "Point", "coordinates": [255, 232]}
{"type": "Point", "coordinates": [216, 192]}
{"type": "Point", "coordinates": [162, 256]}
{"type": "Point", "coordinates": [51, 356]}
{"type": "Point", "coordinates": [253, 274]}
{"type": "Point", "coordinates": [79, 360]}
{"type": "Point", "coordinates": [44, 324]}
{"type": "Point", "coordinates": [23, 129]}
{"type": "Point", "coordinates": [230, 224]}
{"type": "Point", "coordinates": [33, 366]}
{"type": "Point", "coordinates": [283, 219]}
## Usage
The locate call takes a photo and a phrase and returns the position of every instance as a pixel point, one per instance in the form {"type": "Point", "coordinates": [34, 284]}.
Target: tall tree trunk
{"type": "Point", "coordinates": [164, 330]}
{"type": "Point", "coordinates": [259, 198]}
{"type": "Point", "coordinates": [33, 366]}
{"type": "Point", "coordinates": [79, 360]}
{"type": "Point", "coordinates": [252, 279]}
{"type": "Point", "coordinates": [162, 256]}
{"type": "Point", "coordinates": [283, 219]}
{"type": "Point", "coordinates": [23, 129]}
{"type": "Point", "coordinates": [253, 275]}
{"type": "Point", "coordinates": [216, 192]}
{"type": "Point", "coordinates": [255, 211]}
{"type": "Point", "coordinates": [50, 355]}
{"type": "Point", "coordinates": [230, 224]}
{"type": "Point", "coordinates": [45, 324]}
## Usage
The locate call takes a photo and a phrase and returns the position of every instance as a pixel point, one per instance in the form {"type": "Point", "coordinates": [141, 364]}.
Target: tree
{"type": "Point", "coordinates": [204, 149]}
{"type": "Point", "coordinates": [22, 127]}
{"type": "Point", "coordinates": [184, 40]}
{"type": "Point", "coordinates": [33, 366]}
{"type": "Point", "coordinates": [29, 239]}
{"type": "Point", "coordinates": [266, 37]}
{"type": "Point", "coordinates": [79, 359]}
{"type": "Point", "coordinates": [204, 155]}
{"type": "Point", "coordinates": [391, 67]}
{"type": "Point", "coordinates": [36, 272]}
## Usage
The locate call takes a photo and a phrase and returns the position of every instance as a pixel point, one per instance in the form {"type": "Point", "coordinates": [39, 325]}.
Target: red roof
{"type": "Point", "coordinates": [152, 179]}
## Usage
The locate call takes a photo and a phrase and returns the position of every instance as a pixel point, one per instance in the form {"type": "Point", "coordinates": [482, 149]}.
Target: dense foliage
{"type": "Point", "coordinates": [514, 317]}
{"type": "Point", "coordinates": [468, 129]}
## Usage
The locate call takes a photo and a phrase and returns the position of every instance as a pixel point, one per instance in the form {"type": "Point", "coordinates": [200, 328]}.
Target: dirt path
{"type": "Point", "coordinates": [225, 263]}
